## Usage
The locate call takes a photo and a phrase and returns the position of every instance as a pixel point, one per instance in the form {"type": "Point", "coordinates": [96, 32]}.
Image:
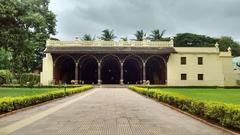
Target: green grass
{"type": "Point", "coordinates": [209, 94]}
{"type": "Point", "coordinates": [15, 92]}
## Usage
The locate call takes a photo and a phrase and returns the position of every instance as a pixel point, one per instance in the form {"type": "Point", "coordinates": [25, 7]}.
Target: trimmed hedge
{"type": "Point", "coordinates": [40, 86]}
{"type": "Point", "coordinates": [30, 79]}
{"type": "Point", "coordinates": [8, 104]}
{"type": "Point", "coordinates": [6, 77]}
{"type": "Point", "coordinates": [227, 115]}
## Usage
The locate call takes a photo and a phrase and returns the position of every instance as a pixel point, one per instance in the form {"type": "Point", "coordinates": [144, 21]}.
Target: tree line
{"type": "Point", "coordinates": [140, 35]}
{"type": "Point", "coordinates": [180, 39]}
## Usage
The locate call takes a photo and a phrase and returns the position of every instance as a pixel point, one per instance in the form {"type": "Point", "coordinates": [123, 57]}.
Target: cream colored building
{"type": "Point", "coordinates": [134, 62]}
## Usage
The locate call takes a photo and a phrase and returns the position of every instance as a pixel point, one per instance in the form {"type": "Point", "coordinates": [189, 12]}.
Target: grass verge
{"type": "Point", "coordinates": [8, 104]}
{"type": "Point", "coordinates": [226, 115]}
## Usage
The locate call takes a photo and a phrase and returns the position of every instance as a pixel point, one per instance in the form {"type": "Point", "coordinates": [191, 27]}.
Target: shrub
{"type": "Point", "coordinates": [5, 77]}
{"type": "Point", "coordinates": [8, 104]}
{"type": "Point", "coordinates": [226, 115]}
{"type": "Point", "coordinates": [30, 79]}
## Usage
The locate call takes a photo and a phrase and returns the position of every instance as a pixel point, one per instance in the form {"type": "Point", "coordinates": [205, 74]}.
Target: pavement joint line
{"type": "Point", "coordinates": [27, 121]}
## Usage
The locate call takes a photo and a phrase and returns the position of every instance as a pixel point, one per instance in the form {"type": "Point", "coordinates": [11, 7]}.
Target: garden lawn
{"type": "Point", "coordinates": [15, 92]}
{"type": "Point", "coordinates": [209, 94]}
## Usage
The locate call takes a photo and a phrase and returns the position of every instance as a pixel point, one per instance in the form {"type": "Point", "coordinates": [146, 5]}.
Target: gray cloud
{"type": "Point", "coordinates": [215, 18]}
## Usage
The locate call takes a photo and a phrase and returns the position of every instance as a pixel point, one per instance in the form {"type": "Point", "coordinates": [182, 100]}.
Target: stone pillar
{"type": "Point", "coordinates": [144, 72]}
{"type": "Point", "coordinates": [99, 73]}
{"type": "Point", "coordinates": [76, 73]}
{"type": "Point", "coordinates": [121, 75]}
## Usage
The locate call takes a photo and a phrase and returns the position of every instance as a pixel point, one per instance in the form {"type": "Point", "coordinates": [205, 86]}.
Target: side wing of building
{"type": "Point", "coordinates": [200, 67]}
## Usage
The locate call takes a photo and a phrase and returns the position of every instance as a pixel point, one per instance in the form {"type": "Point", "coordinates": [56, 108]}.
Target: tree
{"type": "Point", "coordinates": [25, 27]}
{"type": "Point", "coordinates": [4, 59]}
{"type": "Point", "coordinates": [140, 35]}
{"type": "Point", "coordinates": [108, 35]}
{"type": "Point", "coordinates": [225, 42]}
{"type": "Point", "coordinates": [53, 38]}
{"type": "Point", "coordinates": [193, 40]}
{"type": "Point", "coordinates": [87, 37]}
{"type": "Point", "coordinates": [124, 38]}
{"type": "Point", "coordinates": [156, 35]}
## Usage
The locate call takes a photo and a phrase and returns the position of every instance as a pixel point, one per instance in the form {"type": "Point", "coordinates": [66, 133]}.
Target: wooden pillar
{"type": "Point", "coordinates": [76, 73]}
{"type": "Point", "coordinates": [144, 72]}
{"type": "Point", "coordinates": [99, 73]}
{"type": "Point", "coordinates": [121, 74]}
{"type": "Point", "coordinates": [56, 76]}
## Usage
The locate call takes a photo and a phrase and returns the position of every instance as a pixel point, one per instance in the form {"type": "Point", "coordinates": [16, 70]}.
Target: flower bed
{"type": "Point", "coordinates": [8, 104]}
{"type": "Point", "coordinates": [227, 115]}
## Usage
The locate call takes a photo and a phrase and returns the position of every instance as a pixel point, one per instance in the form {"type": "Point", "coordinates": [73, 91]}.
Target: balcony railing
{"type": "Point", "coordinates": [101, 43]}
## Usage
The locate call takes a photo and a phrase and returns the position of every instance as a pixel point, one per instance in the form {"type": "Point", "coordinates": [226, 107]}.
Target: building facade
{"type": "Point", "coordinates": [134, 62]}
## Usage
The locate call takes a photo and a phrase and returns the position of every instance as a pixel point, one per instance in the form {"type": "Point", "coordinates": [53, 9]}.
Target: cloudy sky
{"type": "Point", "coordinates": [210, 17]}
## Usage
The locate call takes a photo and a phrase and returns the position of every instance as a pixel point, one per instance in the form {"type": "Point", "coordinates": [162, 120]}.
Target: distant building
{"type": "Point", "coordinates": [134, 62]}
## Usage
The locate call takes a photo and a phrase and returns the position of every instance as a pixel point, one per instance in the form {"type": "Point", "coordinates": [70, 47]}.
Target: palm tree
{"type": "Point", "coordinates": [140, 35]}
{"type": "Point", "coordinates": [87, 37]}
{"type": "Point", "coordinates": [124, 38]}
{"type": "Point", "coordinates": [156, 35]}
{"type": "Point", "coordinates": [107, 35]}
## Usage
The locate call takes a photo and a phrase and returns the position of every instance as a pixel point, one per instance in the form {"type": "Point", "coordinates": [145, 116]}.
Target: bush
{"type": "Point", "coordinates": [8, 104]}
{"type": "Point", "coordinates": [5, 77]}
{"type": "Point", "coordinates": [226, 115]}
{"type": "Point", "coordinates": [29, 79]}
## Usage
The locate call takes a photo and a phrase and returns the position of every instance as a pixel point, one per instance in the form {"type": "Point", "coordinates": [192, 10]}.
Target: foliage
{"type": "Point", "coordinates": [8, 104]}
{"type": "Point", "coordinates": [124, 38]}
{"type": "Point", "coordinates": [88, 37]}
{"type": "Point", "coordinates": [225, 42]}
{"type": "Point", "coordinates": [53, 38]}
{"type": "Point", "coordinates": [6, 76]}
{"type": "Point", "coordinates": [24, 91]}
{"type": "Point", "coordinates": [140, 35]}
{"type": "Point", "coordinates": [108, 35]}
{"type": "Point", "coordinates": [227, 115]}
{"type": "Point", "coordinates": [30, 79]}
{"type": "Point", "coordinates": [25, 26]}
{"type": "Point", "coordinates": [208, 94]}
{"type": "Point", "coordinates": [193, 40]}
{"type": "Point", "coordinates": [156, 35]}
{"type": "Point", "coordinates": [4, 59]}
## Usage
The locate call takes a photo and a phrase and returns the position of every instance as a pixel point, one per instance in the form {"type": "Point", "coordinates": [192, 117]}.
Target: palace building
{"type": "Point", "coordinates": [134, 62]}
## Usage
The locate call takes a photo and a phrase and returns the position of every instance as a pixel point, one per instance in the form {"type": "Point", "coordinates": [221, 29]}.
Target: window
{"type": "Point", "coordinates": [183, 60]}
{"type": "Point", "coordinates": [200, 60]}
{"type": "Point", "coordinates": [200, 76]}
{"type": "Point", "coordinates": [183, 76]}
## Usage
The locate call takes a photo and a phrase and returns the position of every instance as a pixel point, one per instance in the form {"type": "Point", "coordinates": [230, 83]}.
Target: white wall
{"type": "Point", "coordinates": [47, 73]}
{"type": "Point", "coordinates": [211, 68]}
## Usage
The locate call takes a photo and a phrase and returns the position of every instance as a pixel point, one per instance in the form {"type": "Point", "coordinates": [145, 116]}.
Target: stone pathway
{"type": "Point", "coordinates": [104, 111]}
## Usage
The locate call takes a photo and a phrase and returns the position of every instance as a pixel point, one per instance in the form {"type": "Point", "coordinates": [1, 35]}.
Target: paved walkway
{"type": "Point", "coordinates": [104, 111]}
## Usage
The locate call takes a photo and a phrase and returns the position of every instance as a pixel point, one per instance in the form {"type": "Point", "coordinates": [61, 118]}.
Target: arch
{"type": "Point", "coordinates": [88, 70]}
{"type": "Point", "coordinates": [156, 70]}
{"type": "Point", "coordinates": [149, 57]}
{"type": "Point", "coordinates": [110, 69]}
{"type": "Point", "coordinates": [87, 55]}
{"type": "Point", "coordinates": [64, 55]}
{"type": "Point", "coordinates": [132, 70]}
{"type": "Point", "coordinates": [132, 56]}
{"type": "Point", "coordinates": [109, 55]}
{"type": "Point", "coordinates": [64, 69]}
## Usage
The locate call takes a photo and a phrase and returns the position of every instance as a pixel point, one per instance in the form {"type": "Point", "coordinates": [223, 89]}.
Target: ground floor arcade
{"type": "Point", "coordinates": [109, 68]}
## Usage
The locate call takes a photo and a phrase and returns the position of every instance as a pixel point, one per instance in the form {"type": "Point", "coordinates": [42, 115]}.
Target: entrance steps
{"type": "Point", "coordinates": [111, 86]}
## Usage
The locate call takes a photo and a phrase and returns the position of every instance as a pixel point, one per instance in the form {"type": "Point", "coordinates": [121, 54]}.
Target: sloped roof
{"type": "Point", "coordinates": [115, 49]}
